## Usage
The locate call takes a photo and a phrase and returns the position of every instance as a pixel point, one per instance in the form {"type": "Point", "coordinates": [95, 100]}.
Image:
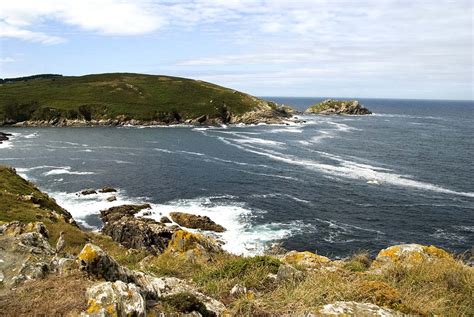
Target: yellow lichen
{"type": "Point", "coordinates": [434, 251]}
{"type": "Point", "coordinates": [93, 307]}
{"type": "Point", "coordinates": [305, 258]}
{"type": "Point", "coordinates": [88, 253]}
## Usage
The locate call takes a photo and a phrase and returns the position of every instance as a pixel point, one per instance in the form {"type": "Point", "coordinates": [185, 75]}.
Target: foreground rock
{"type": "Point", "coordinates": [408, 254]}
{"type": "Point", "coordinates": [133, 232]}
{"type": "Point", "coordinates": [130, 289]}
{"type": "Point", "coordinates": [306, 258]}
{"type": "Point", "coordinates": [357, 309]}
{"type": "Point", "coordinates": [341, 107]}
{"type": "Point", "coordinates": [196, 222]}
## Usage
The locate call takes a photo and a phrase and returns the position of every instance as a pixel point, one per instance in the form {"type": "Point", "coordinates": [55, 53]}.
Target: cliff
{"type": "Point", "coordinates": [141, 267]}
{"type": "Point", "coordinates": [126, 98]}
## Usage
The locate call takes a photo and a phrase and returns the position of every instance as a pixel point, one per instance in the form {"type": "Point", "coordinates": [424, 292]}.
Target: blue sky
{"type": "Point", "coordinates": [364, 48]}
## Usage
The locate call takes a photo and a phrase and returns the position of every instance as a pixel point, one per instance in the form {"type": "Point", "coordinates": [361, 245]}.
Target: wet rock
{"type": "Point", "coordinates": [165, 219]}
{"type": "Point", "coordinates": [114, 299]}
{"type": "Point", "coordinates": [4, 137]}
{"type": "Point", "coordinates": [133, 232]}
{"type": "Point", "coordinates": [330, 106]}
{"type": "Point", "coordinates": [356, 309]}
{"type": "Point", "coordinates": [408, 254]}
{"type": "Point", "coordinates": [107, 189]}
{"type": "Point", "coordinates": [305, 258]}
{"type": "Point", "coordinates": [89, 191]}
{"type": "Point", "coordinates": [192, 246]}
{"type": "Point", "coordinates": [111, 198]}
{"type": "Point", "coordinates": [195, 222]}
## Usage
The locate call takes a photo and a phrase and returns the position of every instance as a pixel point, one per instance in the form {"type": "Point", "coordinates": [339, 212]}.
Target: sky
{"type": "Point", "coordinates": [342, 48]}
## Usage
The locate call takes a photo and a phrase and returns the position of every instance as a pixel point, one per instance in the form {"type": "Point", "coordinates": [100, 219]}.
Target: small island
{"type": "Point", "coordinates": [340, 107]}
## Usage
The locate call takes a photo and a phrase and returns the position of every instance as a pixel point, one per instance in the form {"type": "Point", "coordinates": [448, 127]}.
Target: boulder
{"type": "Point", "coordinates": [133, 232]}
{"type": "Point", "coordinates": [165, 219]}
{"type": "Point", "coordinates": [408, 254]}
{"type": "Point", "coordinates": [356, 309]}
{"type": "Point", "coordinates": [340, 107]}
{"type": "Point", "coordinates": [288, 273]}
{"type": "Point", "coordinates": [193, 246]}
{"type": "Point", "coordinates": [89, 191]}
{"type": "Point", "coordinates": [107, 189]}
{"type": "Point", "coordinates": [195, 222]}
{"type": "Point", "coordinates": [114, 299]}
{"type": "Point", "coordinates": [306, 258]}
{"type": "Point", "coordinates": [99, 264]}
{"type": "Point", "coordinates": [238, 290]}
{"type": "Point", "coordinates": [111, 198]}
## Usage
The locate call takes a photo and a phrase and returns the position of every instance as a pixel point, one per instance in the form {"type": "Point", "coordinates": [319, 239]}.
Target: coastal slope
{"type": "Point", "coordinates": [127, 98]}
{"type": "Point", "coordinates": [145, 271]}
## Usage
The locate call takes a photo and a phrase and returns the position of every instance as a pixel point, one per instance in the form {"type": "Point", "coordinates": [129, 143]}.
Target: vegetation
{"type": "Point", "coordinates": [106, 96]}
{"type": "Point", "coordinates": [437, 286]}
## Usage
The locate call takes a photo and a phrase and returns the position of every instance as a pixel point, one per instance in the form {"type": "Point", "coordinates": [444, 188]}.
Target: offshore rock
{"type": "Point", "coordinates": [196, 222]}
{"type": "Point", "coordinates": [133, 232]}
{"type": "Point", "coordinates": [89, 191]}
{"type": "Point", "coordinates": [107, 189]}
{"type": "Point", "coordinates": [341, 107]}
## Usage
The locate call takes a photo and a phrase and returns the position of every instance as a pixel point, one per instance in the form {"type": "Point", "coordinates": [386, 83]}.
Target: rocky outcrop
{"type": "Point", "coordinates": [408, 254]}
{"type": "Point", "coordinates": [25, 252]}
{"type": "Point", "coordinates": [114, 299]}
{"type": "Point", "coordinates": [4, 136]}
{"type": "Point", "coordinates": [133, 232]}
{"type": "Point", "coordinates": [195, 222]}
{"type": "Point", "coordinates": [100, 265]}
{"type": "Point", "coordinates": [88, 191]}
{"type": "Point", "coordinates": [341, 107]}
{"type": "Point", "coordinates": [192, 246]}
{"type": "Point", "coordinates": [357, 309]}
{"type": "Point", "coordinates": [107, 189]}
{"type": "Point", "coordinates": [306, 258]}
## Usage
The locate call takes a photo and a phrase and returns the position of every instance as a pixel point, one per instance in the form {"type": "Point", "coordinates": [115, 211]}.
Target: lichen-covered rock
{"type": "Point", "coordinates": [196, 222]}
{"type": "Point", "coordinates": [408, 254]}
{"type": "Point", "coordinates": [15, 228]}
{"type": "Point", "coordinates": [114, 299]}
{"type": "Point", "coordinates": [287, 273]}
{"type": "Point", "coordinates": [305, 258]}
{"type": "Point", "coordinates": [161, 287]}
{"type": "Point", "coordinates": [330, 106]}
{"type": "Point", "coordinates": [193, 246]}
{"type": "Point", "coordinates": [97, 263]}
{"type": "Point", "coordinates": [356, 309]}
{"type": "Point", "coordinates": [133, 232]}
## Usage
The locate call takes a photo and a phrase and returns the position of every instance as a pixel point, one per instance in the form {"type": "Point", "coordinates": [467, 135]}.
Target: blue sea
{"type": "Point", "coordinates": [334, 184]}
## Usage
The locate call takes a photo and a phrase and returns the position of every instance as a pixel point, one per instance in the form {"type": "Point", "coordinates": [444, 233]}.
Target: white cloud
{"type": "Point", "coordinates": [21, 18]}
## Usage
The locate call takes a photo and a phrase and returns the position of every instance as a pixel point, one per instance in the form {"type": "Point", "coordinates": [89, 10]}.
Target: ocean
{"type": "Point", "coordinates": [334, 184]}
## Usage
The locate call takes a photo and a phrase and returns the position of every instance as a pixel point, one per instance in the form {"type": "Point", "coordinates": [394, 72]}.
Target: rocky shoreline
{"type": "Point", "coordinates": [137, 266]}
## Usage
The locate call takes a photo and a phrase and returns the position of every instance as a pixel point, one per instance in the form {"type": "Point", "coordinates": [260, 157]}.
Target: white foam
{"type": "Point", "coordinates": [260, 141]}
{"type": "Point", "coordinates": [287, 130]}
{"type": "Point", "coordinates": [65, 170]}
{"type": "Point", "coordinates": [351, 170]}
{"type": "Point", "coordinates": [6, 145]}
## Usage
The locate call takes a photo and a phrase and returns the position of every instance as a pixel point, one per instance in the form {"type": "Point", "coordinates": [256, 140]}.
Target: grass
{"type": "Point", "coordinates": [442, 286]}
{"type": "Point", "coordinates": [137, 96]}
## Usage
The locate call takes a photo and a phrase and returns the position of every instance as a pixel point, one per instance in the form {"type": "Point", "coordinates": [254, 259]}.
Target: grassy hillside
{"type": "Point", "coordinates": [106, 96]}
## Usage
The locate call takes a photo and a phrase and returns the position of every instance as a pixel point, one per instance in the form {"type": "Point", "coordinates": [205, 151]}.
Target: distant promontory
{"type": "Point", "coordinates": [341, 107]}
{"type": "Point", "coordinates": [129, 99]}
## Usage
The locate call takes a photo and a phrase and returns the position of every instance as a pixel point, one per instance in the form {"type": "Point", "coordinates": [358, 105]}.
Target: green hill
{"type": "Point", "coordinates": [126, 96]}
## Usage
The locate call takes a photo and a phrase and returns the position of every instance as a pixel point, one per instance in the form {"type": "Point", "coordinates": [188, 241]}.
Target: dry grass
{"type": "Point", "coordinates": [54, 296]}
